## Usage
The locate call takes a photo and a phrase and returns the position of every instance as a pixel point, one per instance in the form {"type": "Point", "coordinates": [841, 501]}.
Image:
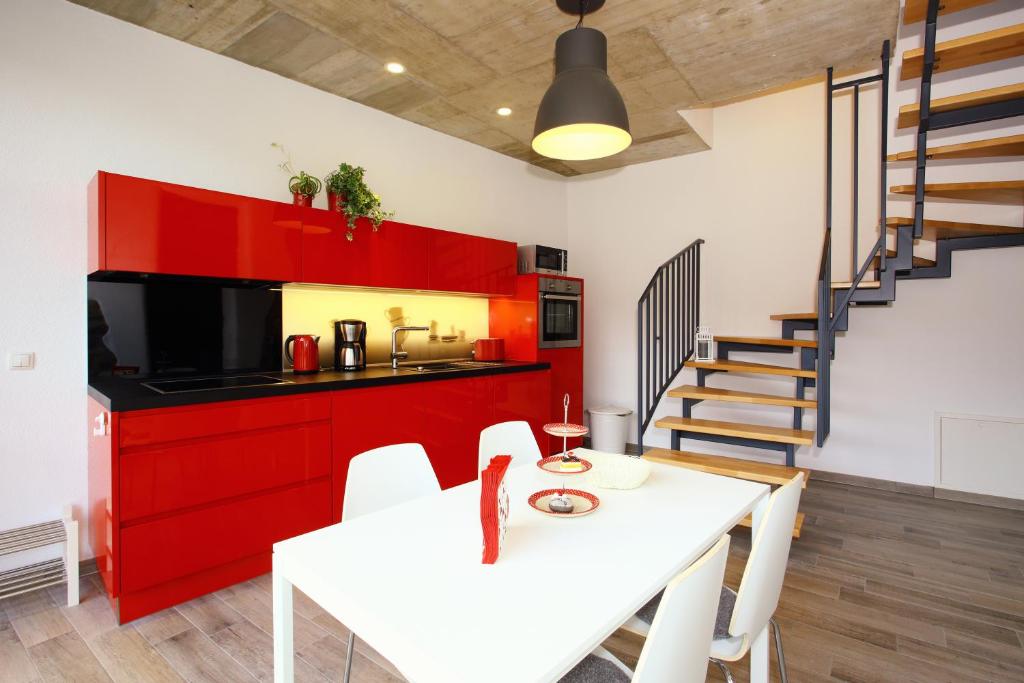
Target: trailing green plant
{"type": "Point", "coordinates": [356, 199]}
{"type": "Point", "coordinates": [305, 184]}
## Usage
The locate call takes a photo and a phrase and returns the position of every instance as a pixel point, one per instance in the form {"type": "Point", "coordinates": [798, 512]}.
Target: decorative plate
{"type": "Point", "coordinates": [565, 429]}
{"type": "Point", "coordinates": [553, 465]}
{"type": "Point", "coordinates": [583, 503]}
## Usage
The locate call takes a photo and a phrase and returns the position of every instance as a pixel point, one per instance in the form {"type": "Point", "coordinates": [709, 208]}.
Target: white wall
{"type": "Point", "coordinates": [80, 91]}
{"type": "Point", "coordinates": [757, 197]}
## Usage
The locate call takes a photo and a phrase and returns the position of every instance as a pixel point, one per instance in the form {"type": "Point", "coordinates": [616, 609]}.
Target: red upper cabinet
{"type": "Point", "coordinates": [393, 256]}
{"type": "Point", "coordinates": [146, 226]}
{"type": "Point", "coordinates": [466, 263]}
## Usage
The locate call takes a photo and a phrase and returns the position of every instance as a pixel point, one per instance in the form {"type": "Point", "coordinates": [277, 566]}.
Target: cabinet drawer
{"type": "Point", "coordinates": [177, 546]}
{"type": "Point", "coordinates": [155, 479]}
{"type": "Point", "coordinates": [193, 422]}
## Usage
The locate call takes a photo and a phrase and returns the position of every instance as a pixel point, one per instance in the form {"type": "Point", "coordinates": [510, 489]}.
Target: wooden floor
{"type": "Point", "coordinates": [881, 587]}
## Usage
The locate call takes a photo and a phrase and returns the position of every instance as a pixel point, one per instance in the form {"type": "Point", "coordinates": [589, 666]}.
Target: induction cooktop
{"type": "Point", "coordinates": [178, 386]}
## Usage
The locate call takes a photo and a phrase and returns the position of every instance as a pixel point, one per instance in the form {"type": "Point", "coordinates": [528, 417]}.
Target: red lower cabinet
{"type": "Point", "coordinates": [185, 501]}
{"type": "Point", "coordinates": [445, 417]}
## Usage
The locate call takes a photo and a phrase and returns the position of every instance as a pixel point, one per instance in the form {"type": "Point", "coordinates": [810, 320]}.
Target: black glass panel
{"type": "Point", "coordinates": [174, 328]}
{"type": "Point", "coordinates": [560, 320]}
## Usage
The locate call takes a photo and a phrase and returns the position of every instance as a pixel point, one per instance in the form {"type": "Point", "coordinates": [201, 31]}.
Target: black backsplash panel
{"type": "Point", "coordinates": [180, 327]}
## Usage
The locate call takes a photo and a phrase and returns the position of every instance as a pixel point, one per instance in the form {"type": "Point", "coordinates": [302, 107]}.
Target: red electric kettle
{"type": "Point", "coordinates": [306, 355]}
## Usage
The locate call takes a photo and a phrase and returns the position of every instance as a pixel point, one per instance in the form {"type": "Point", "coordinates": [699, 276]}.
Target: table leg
{"type": "Point", "coordinates": [284, 646]}
{"type": "Point", "coordinates": [759, 660]}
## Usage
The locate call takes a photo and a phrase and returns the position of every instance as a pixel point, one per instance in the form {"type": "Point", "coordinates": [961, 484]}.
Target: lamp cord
{"type": "Point", "coordinates": [583, 11]}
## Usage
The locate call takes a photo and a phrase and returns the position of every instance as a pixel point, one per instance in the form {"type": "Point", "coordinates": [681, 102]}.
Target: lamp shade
{"type": "Point", "coordinates": [582, 115]}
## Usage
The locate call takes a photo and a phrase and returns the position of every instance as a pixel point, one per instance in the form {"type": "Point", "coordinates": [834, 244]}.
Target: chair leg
{"type": "Point", "coordinates": [348, 656]}
{"type": "Point", "coordinates": [725, 671]}
{"type": "Point", "coordinates": [778, 650]}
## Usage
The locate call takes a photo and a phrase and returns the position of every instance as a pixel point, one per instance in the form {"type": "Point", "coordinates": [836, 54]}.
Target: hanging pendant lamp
{"type": "Point", "coordinates": [582, 115]}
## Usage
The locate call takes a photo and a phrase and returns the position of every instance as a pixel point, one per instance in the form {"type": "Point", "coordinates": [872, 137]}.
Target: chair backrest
{"type": "Point", "coordinates": [508, 438]}
{"type": "Point", "coordinates": [677, 646]}
{"type": "Point", "coordinates": [761, 585]}
{"type": "Point", "coordinates": [387, 476]}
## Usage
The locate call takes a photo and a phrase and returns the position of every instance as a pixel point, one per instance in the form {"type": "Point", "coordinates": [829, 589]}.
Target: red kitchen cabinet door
{"type": "Point", "coordinates": [454, 414]}
{"type": "Point", "coordinates": [172, 547]}
{"type": "Point", "coordinates": [566, 378]}
{"type": "Point", "coordinates": [524, 396]}
{"type": "Point", "coordinates": [364, 419]}
{"type": "Point", "coordinates": [153, 227]}
{"type": "Point", "coordinates": [180, 475]}
{"type": "Point", "coordinates": [393, 256]}
{"type": "Point", "coordinates": [466, 263]}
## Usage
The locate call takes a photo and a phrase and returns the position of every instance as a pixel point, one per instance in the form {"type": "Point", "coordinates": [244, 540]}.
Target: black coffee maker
{"type": "Point", "coordinates": [349, 345]}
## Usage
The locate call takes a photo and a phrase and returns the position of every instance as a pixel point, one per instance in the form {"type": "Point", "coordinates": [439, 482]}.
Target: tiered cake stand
{"type": "Point", "coordinates": [583, 501]}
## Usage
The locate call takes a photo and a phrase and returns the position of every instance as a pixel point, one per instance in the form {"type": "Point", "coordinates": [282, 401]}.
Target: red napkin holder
{"type": "Point", "coordinates": [494, 506]}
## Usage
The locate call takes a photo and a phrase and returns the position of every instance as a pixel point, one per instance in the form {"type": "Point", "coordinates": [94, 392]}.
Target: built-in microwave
{"type": "Point", "coordinates": [559, 304]}
{"type": "Point", "coordinates": [535, 258]}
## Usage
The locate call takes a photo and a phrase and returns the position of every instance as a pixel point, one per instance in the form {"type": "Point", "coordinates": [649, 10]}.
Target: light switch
{"type": "Point", "coordinates": [21, 360]}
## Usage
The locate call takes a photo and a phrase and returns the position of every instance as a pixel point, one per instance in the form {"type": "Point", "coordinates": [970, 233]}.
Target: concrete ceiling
{"type": "Point", "coordinates": [466, 58]}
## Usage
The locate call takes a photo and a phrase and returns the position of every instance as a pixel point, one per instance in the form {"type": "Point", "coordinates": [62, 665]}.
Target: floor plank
{"type": "Point", "coordinates": [67, 658]}
{"type": "Point", "coordinates": [128, 657]}
{"type": "Point", "coordinates": [197, 659]}
{"type": "Point", "coordinates": [16, 667]}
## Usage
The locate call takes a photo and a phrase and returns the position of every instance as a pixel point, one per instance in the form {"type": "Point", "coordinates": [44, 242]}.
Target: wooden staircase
{"type": "Point", "coordinates": [892, 258]}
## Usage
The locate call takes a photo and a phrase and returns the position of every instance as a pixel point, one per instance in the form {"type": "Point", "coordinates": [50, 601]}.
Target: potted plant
{"type": "Point", "coordinates": [302, 185]}
{"type": "Point", "coordinates": [348, 193]}
{"type": "Point", "coordinates": [303, 188]}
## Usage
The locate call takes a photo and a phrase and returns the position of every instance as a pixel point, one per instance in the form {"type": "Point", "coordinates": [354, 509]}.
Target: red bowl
{"type": "Point", "coordinates": [489, 349]}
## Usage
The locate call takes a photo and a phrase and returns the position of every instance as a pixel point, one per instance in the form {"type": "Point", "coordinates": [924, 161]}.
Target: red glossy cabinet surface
{"type": "Point", "coordinates": [393, 256]}
{"type": "Point", "coordinates": [462, 263]}
{"type": "Point", "coordinates": [184, 501]}
{"type": "Point", "coordinates": [445, 416]}
{"type": "Point", "coordinates": [147, 226]}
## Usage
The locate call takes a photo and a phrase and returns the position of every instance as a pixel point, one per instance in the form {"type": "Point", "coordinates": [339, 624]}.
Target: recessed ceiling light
{"type": "Point", "coordinates": [504, 111]}
{"type": "Point", "coordinates": [395, 68]}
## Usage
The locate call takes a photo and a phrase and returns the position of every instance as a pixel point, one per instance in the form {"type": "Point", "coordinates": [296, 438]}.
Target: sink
{"type": "Point", "coordinates": [451, 366]}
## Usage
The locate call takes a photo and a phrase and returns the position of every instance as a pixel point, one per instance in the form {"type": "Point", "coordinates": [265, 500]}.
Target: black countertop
{"type": "Point", "coordinates": [125, 394]}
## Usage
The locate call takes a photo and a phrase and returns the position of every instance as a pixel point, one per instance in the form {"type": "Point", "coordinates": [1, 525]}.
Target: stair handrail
{"type": "Point", "coordinates": [667, 316]}
{"type": "Point", "coordinates": [825, 322]}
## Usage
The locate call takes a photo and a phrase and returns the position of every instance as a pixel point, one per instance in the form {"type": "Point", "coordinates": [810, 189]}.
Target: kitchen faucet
{"type": "Point", "coordinates": [397, 355]}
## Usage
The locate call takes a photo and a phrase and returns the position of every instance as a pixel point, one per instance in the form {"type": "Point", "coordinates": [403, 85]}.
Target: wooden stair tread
{"type": "Point", "coordinates": [798, 525]}
{"type": "Point", "coordinates": [738, 468]}
{"type": "Point", "coordinates": [769, 341]}
{"type": "Point", "coordinates": [1001, 191]}
{"type": "Point", "coordinates": [800, 437]}
{"type": "Point", "coordinates": [917, 10]}
{"type": "Point", "coordinates": [756, 368]}
{"type": "Point", "coordinates": [1001, 43]}
{"type": "Point", "coordinates": [910, 113]}
{"type": "Point", "coordinates": [863, 284]}
{"type": "Point", "coordinates": [794, 316]}
{"type": "Point", "coordinates": [730, 396]}
{"type": "Point", "coordinates": [919, 261]}
{"type": "Point", "coordinates": [1009, 146]}
{"type": "Point", "coordinates": [940, 230]}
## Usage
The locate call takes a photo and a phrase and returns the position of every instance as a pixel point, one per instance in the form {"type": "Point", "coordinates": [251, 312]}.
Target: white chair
{"type": "Point", "coordinates": [679, 639]}
{"type": "Point", "coordinates": [380, 478]}
{"type": "Point", "coordinates": [508, 438]}
{"type": "Point", "coordinates": [744, 614]}
{"type": "Point", "coordinates": [385, 476]}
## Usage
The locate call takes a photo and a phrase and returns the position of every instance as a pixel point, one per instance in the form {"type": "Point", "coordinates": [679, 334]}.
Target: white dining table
{"type": "Point", "coordinates": [408, 580]}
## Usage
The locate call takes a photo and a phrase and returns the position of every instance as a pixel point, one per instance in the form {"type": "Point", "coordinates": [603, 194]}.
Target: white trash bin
{"type": "Point", "coordinates": [609, 426]}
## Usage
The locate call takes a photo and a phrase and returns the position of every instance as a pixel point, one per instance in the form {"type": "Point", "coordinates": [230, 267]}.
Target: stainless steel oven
{"type": "Point", "coordinates": [559, 308]}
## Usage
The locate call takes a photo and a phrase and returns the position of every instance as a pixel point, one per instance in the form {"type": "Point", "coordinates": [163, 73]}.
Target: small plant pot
{"type": "Point", "coordinates": [299, 199]}
{"type": "Point", "coordinates": [335, 201]}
